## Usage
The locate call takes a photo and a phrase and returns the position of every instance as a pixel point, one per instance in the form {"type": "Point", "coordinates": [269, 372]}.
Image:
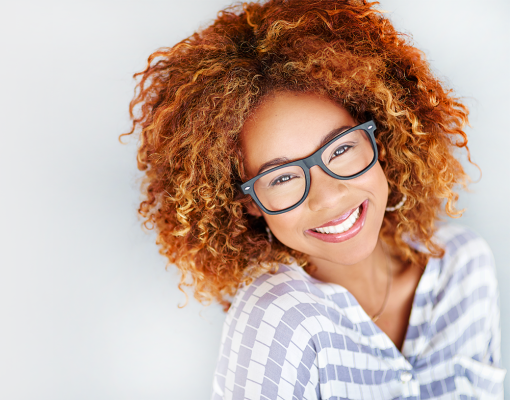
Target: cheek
{"type": "Point", "coordinates": [383, 185]}
{"type": "Point", "coordinates": [286, 226]}
{"type": "Point", "coordinates": [375, 182]}
{"type": "Point", "coordinates": [281, 222]}
{"type": "Point", "coordinates": [378, 187]}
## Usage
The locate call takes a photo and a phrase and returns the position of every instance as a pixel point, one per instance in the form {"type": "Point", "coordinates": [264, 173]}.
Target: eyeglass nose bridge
{"type": "Point", "coordinates": [313, 160]}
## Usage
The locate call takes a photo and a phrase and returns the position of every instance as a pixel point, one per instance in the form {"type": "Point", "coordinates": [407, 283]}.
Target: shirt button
{"type": "Point", "coordinates": [405, 377]}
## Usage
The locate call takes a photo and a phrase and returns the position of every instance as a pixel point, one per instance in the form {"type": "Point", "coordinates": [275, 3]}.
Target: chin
{"type": "Point", "coordinates": [353, 255]}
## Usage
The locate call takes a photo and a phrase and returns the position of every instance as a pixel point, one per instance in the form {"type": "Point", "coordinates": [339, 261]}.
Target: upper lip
{"type": "Point", "coordinates": [340, 219]}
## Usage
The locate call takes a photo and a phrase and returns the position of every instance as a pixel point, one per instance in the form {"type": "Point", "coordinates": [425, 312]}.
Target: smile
{"type": "Point", "coordinates": [343, 228]}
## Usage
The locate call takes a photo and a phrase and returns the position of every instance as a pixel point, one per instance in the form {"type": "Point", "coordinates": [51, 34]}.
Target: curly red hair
{"type": "Point", "coordinates": [193, 99]}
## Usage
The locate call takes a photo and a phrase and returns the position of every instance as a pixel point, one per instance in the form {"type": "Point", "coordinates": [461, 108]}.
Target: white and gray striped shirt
{"type": "Point", "coordinates": [290, 336]}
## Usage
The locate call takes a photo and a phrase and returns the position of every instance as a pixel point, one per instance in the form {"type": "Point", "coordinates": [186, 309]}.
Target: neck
{"type": "Point", "coordinates": [342, 274]}
{"type": "Point", "coordinates": [366, 280]}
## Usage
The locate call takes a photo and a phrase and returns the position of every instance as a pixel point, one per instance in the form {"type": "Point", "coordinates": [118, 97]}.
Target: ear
{"type": "Point", "coordinates": [253, 209]}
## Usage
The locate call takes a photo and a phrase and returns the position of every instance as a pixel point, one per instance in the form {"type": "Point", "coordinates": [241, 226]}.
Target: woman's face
{"type": "Point", "coordinates": [291, 126]}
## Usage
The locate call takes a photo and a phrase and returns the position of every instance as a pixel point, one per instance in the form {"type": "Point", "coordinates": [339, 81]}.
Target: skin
{"type": "Point", "coordinates": [292, 125]}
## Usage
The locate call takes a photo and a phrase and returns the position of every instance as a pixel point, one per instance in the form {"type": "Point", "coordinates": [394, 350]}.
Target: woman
{"type": "Point", "coordinates": [298, 158]}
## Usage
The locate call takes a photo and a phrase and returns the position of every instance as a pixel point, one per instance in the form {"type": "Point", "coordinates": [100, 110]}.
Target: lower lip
{"type": "Point", "coordinates": [341, 237]}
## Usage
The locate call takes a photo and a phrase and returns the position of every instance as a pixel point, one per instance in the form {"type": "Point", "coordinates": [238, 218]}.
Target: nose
{"type": "Point", "coordinates": [325, 191]}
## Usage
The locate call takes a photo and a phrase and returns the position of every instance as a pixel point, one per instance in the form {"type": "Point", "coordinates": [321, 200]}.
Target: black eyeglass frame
{"type": "Point", "coordinates": [309, 162]}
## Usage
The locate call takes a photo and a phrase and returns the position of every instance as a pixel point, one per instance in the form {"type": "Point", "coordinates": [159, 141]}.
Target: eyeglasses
{"type": "Point", "coordinates": [346, 156]}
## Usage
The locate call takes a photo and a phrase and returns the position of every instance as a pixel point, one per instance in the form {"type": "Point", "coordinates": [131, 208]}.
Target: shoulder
{"type": "Point", "coordinates": [282, 300]}
{"type": "Point", "coordinates": [287, 283]}
{"type": "Point", "coordinates": [456, 238]}
{"type": "Point", "coordinates": [268, 337]}
{"type": "Point", "coordinates": [463, 282]}
{"type": "Point", "coordinates": [466, 254]}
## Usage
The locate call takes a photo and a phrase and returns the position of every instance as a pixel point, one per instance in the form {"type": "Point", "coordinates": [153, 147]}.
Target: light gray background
{"type": "Point", "coordinates": [87, 310]}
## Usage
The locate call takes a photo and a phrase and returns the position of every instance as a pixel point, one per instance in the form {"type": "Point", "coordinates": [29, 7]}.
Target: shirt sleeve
{"type": "Point", "coordinates": [482, 374]}
{"type": "Point", "coordinates": [493, 327]}
{"type": "Point", "coordinates": [266, 353]}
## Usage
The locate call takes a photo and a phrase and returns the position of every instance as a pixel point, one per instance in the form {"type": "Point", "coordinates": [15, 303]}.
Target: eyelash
{"type": "Point", "coordinates": [344, 146]}
{"type": "Point", "coordinates": [274, 182]}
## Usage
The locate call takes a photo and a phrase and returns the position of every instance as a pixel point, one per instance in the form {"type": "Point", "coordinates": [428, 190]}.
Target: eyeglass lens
{"type": "Point", "coordinates": [346, 156]}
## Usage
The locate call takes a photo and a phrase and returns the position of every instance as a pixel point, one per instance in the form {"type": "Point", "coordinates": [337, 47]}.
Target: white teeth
{"type": "Point", "coordinates": [344, 226]}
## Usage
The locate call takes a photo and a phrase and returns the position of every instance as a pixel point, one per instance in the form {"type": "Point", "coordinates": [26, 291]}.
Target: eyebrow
{"type": "Point", "coordinates": [283, 160]}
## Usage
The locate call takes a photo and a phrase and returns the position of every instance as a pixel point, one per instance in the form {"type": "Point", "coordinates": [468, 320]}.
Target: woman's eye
{"type": "Point", "coordinates": [340, 150]}
{"type": "Point", "coordinates": [281, 180]}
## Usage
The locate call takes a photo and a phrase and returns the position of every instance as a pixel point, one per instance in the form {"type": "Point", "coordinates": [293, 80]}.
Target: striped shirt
{"type": "Point", "coordinates": [290, 336]}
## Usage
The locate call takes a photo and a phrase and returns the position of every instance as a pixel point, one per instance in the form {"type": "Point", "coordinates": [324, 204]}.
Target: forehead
{"type": "Point", "coordinates": [289, 125]}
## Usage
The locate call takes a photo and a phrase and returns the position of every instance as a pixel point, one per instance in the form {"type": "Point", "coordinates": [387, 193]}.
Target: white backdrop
{"type": "Point", "coordinates": [87, 310]}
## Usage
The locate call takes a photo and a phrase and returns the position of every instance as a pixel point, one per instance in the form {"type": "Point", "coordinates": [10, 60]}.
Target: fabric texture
{"type": "Point", "coordinates": [290, 336]}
